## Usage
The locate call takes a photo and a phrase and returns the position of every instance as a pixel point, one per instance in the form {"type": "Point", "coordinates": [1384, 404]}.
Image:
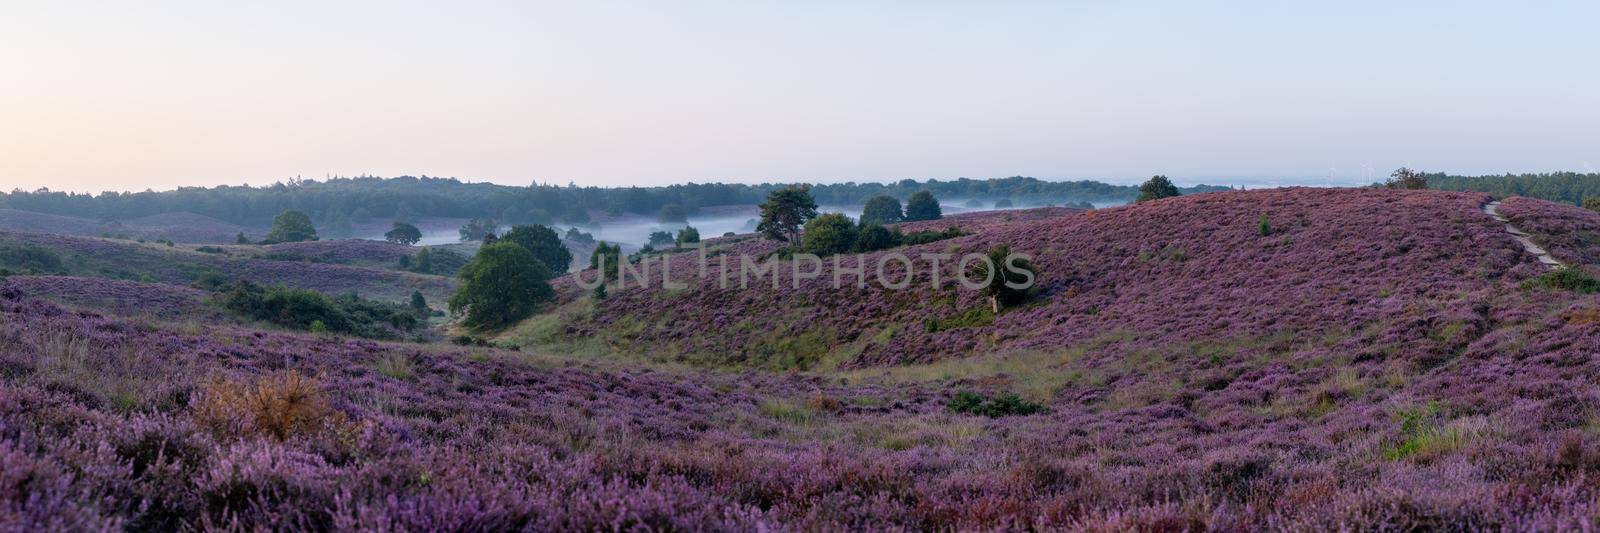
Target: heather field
{"type": "Point", "coordinates": [1291, 359]}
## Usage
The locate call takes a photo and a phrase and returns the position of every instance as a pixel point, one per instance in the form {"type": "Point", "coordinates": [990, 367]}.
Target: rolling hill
{"type": "Point", "coordinates": [1364, 359]}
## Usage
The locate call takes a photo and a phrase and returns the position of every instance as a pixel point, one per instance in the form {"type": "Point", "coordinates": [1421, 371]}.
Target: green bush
{"type": "Point", "coordinates": [1574, 279]}
{"type": "Point", "coordinates": [29, 257]}
{"type": "Point", "coordinates": [873, 237]}
{"type": "Point", "coordinates": [310, 310]}
{"type": "Point", "coordinates": [829, 234]}
{"type": "Point", "coordinates": [925, 237]}
{"type": "Point", "coordinates": [923, 206]}
{"type": "Point", "coordinates": [503, 284]}
{"type": "Point", "coordinates": [1005, 404]}
{"type": "Point", "coordinates": [882, 210]}
{"type": "Point", "coordinates": [291, 226]}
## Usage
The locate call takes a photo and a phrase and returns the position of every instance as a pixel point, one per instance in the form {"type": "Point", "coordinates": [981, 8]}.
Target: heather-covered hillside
{"type": "Point", "coordinates": [1344, 264]}
{"type": "Point", "coordinates": [177, 227]}
{"type": "Point", "coordinates": [1450, 394]}
{"type": "Point", "coordinates": [115, 258]}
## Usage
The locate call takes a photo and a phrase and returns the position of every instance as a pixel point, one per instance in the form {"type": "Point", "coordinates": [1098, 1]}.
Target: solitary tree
{"type": "Point", "coordinates": [292, 226]}
{"type": "Point", "coordinates": [544, 244]}
{"type": "Point", "coordinates": [785, 211]}
{"type": "Point", "coordinates": [503, 284]}
{"type": "Point", "coordinates": [579, 237]}
{"type": "Point", "coordinates": [1405, 178]}
{"type": "Point", "coordinates": [1156, 188]}
{"type": "Point", "coordinates": [477, 228]}
{"type": "Point", "coordinates": [687, 235]}
{"type": "Point", "coordinates": [660, 238]}
{"type": "Point", "coordinates": [882, 209]}
{"type": "Point", "coordinates": [403, 233]}
{"type": "Point", "coordinates": [1003, 203]}
{"type": "Point", "coordinates": [606, 256]}
{"type": "Point", "coordinates": [829, 234]}
{"type": "Point", "coordinates": [923, 206]}
{"type": "Point", "coordinates": [418, 303]}
{"type": "Point", "coordinates": [672, 213]}
{"type": "Point", "coordinates": [1003, 287]}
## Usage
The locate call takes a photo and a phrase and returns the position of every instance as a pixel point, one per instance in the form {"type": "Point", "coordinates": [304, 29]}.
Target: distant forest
{"type": "Point", "coordinates": [1568, 187]}
{"type": "Point", "coordinates": [362, 199]}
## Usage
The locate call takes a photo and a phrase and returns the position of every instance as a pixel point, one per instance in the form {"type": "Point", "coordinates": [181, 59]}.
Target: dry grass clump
{"type": "Point", "coordinates": [282, 405]}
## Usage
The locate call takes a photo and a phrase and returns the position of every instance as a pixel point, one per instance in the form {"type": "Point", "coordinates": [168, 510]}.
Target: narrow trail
{"type": "Point", "coordinates": [1493, 209]}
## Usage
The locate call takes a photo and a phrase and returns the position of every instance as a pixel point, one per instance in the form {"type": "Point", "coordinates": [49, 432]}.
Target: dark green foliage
{"type": "Point", "coordinates": [477, 229]}
{"type": "Point", "coordinates": [29, 258]}
{"type": "Point", "coordinates": [785, 211]}
{"type": "Point", "coordinates": [436, 261]}
{"type": "Point", "coordinates": [925, 237]}
{"type": "Point", "coordinates": [212, 250]}
{"type": "Point", "coordinates": [829, 234]}
{"type": "Point", "coordinates": [971, 318]}
{"type": "Point", "coordinates": [882, 209]}
{"type": "Point", "coordinates": [302, 309]}
{"type": "Point", "coordinates": [687, 235]}
{"type": "Point", "coordinates": [544, 244]}
{"type": "Point", "coordinates": [576, 215]}
{"type": "Point", "coordinates": [672, 213]}
{"type": "Point", "coordinates": [579, 237]}
{"type": "Point", "coordinates": [241, 239]}
{"type": "Point", "coordinates": [210, 280]}
{"type": "Point", "coordinates": [1405, 178]}
{"type": "Point", "coordinates": [403, 233]}
{"type": "Point", "coordinates": [1592, 203]}
{"type": "Point", "coordinates": [1004, 404]}
{"type": "Point", "coordinates": [1156, 188]}
{"type": "Point", "coordinates": [1574, 279]}
{"type": "Point", "coordinates": [600, 291]}
{"type": "Point", "coordinates": [419, 303]}
{"type": "Point", "coordinates": [292, 226]}
{"type": "Point", "coordinates": [923, 206]}
{"type": "Point", "coordinates": [610, 254]}
{"type": "Point", "coordinates": [1264, 226]}
{"type": "Point", "coordinates": [1003, 203]}
{"type": "Point", "coordinates": [503, 284]}
{"type": "Point", "coordinates": [873, 237]}
{"type": "Point", "coordinates": [660, 238]}
{"type": "Point", "coordinates": [1012, 279]}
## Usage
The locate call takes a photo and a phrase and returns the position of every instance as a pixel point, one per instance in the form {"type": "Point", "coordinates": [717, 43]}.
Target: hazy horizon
{"type": "Point", "coordinates": [122, 97]}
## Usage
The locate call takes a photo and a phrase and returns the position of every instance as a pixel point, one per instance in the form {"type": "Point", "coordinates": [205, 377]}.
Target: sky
{"type": "Point", "coordinates": [160, 94]}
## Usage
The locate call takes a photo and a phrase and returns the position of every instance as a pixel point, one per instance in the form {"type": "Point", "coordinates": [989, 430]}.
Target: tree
{"type": "Point", "coordinates": [544, 244]}
{"type": "Point", "coordinates": [688, 235]}
{"type": "Point", "coordinates": [503, 284]}
{"type": "Point", "coordinates": [882, 209]}
{"type": "Point", "coordinates": [829, 234]}
{"type": "Point", "coordinates": [477, 229]}
{"type": "Point", "coordinates": [241, 239]}
{"type": "Point", "coordinates": [785, 211]}
{"type": "Point", "coordinates": [660, 238]}
{"type": "Point", "coordinates": [1405, 178]}
{"type": "Point", "coordinates": [403, 233]}
{"type": "Point", "coordinates": [672, 213]}
{"type": "Point", "coordinates": [1003, 203]}
{"type": "Point", "coordinates": [579, 237]}
{"type": "Point", "coordinates": [292, 226]}
{"type": "Point", "coordinates": [611, 254]}
{"type": "Point", "coordinates": [1007, 273]}
{"type": "Point", "coordinates": [1592, 203]}
{"type": "Point", "coordinates": [1156, 188]}
{"type": "Point", "coordinates": [923, 206]}
{"type": "Point", "coordinates": [418, 303]}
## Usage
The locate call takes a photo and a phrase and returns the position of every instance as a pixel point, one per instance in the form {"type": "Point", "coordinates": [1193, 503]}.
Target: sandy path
{"type": "Point", "coordinates": [1493, 210]}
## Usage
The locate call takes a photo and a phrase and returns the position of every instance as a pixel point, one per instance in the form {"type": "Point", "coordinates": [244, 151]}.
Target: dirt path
{"type": "Point", "coordinates": [1493, 210]}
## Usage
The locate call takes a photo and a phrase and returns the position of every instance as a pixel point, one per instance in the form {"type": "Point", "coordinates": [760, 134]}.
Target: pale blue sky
{"type": "Point", "coordinates": [129, 95]}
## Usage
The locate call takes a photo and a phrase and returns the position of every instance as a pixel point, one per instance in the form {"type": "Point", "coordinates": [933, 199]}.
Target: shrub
{"type": "Point", "coordinates": [503, 284]}
{"type": "Point", "coordinates": [211, 250]}
{"type": "Point", "coordinates": [579, 237]}
{"type": "Point", "coordinates": [882, 210]}
{"type": "Point", "coordinates": [403, 233]}
{"type": "Point", "coordinates": [29, 257]}
{"type": "Point", "coordinates": [309, 310]}
{"type": "Point", "coordinates": [544, 244]}
{"type": "Point", "coordinates": [873, 237]}
{"type": "Point", "coordinates": [1156, 188]}
{"type": "Point", "coordinates": [1264, 226]}
{"type": "Point", "coordinates": [1011, 280]}
{"type": "Point", "coordinates": [923, 206]}
{"type": "Point", "coordinates": [1003, 203]}
{"type": "Point", "coordinates": [1005, 404]}
{"type": "Point", "coordinates": [610, 255]}
{"type": "Point", "coordinates": [971, 318]}
{"type": "Point", "coordinates": [925, 237]}
{"type": "Point", "coordinates": [1574, 279]}
{"type": "Point", "coordinates": [829, 234]}
{"type": "Point", "coordinates": [1592, 203]}
{"type": "Point", "coordinates": [436, 261]}
{"type": "Point", "coordinates": [291, 226]}
{"type": "Point", "coordinates": [1405, 178]}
